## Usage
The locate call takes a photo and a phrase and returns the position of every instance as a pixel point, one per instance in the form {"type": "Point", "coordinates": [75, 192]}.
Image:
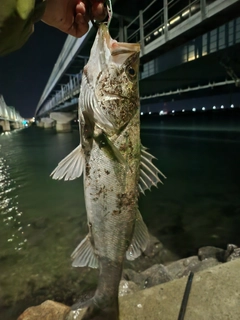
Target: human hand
{"type": "Point", "coordinates": [72, 16]}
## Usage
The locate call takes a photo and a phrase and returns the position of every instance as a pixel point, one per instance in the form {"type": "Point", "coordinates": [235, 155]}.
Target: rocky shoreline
{"type": "Point", "coordinates": [148, 272]}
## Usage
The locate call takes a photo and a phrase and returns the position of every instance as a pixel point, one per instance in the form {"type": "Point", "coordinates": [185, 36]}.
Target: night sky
{"type": "Point", "coordinates": [24, 73]}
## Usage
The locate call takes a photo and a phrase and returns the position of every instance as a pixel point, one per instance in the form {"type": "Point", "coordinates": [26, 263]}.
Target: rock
{"type": "Point", "coordinates": [234, 255]}
{"type": "Point", "coordinates": [155, 275]}
{"type": "Point", "coordinates": [182, 267]}
{"type": "Point", "coordinates": [205, 264]}
{"type": "Point", "coordinates": [211, 252]}
{"type": "Point", "coordinates": [215, 294]}
{"type": "Point", "coordinates": [127, 287]}
{"type": "Point", "coordinates": [48, 310]}
{"type": "Point", "coordinates": [131, 275]}
{"type": "Point", "coordinates": [155, 253]}
{"type": "Point", "coordinates": [152, 276]}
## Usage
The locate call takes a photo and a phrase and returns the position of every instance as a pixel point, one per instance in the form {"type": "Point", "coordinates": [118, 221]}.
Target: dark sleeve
{"type": "Point", "coordinates": [17, 20]}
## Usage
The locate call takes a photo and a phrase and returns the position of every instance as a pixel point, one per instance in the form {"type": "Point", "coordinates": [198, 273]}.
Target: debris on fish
{"type": "Point", "coordinates": [115, 167]}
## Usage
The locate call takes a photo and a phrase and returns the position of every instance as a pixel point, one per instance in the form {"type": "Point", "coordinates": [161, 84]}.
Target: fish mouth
{"type": "Point", "coordinates": [115, 48]}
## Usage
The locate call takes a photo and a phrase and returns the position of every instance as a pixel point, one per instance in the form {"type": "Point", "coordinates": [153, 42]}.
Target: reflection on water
{"type": "Point", "coordinates": [43, 220]}
{"type": "Point", "coordinates": [12, 228]}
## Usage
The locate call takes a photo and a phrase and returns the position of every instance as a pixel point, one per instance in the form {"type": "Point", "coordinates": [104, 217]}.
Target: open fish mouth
{"type": "Point", "coordinates": [111, 50]}
{"type": "Point", "coordinates": [114, 46]}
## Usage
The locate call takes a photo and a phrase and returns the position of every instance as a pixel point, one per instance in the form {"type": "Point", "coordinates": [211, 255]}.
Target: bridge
{"type": "Point", "coordinates": [188, 47]}
{"type": "Point", "coordinates": [9, 117]}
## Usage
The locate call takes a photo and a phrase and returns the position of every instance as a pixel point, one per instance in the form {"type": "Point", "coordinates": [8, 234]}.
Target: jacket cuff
{"type": "Point", "coordinates": [40, 6]}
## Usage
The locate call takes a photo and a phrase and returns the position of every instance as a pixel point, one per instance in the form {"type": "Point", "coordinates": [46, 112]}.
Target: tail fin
{"type": "Point", "coordinates": [105, 312]}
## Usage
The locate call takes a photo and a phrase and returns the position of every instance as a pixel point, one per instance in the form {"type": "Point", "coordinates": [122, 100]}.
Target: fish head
{"type": "Point", "coordinates": [112, 72]}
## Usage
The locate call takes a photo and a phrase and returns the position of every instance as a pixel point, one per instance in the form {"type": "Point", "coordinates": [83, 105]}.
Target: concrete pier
{"type": "Point", "coordinates": [5, 125]}
{"type": "Point", "coordinates": [47, 123]}
{"type": "Point", "coordinates": [63, 120]}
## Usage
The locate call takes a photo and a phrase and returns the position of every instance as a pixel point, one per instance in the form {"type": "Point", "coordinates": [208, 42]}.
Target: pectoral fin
{"type": "Point", "coordinates": [70, 167]}
{"type": "Point", "coordinates": [140, 239]}
{"type": "Point", "coordinates": [148, 172]}
{"type": "Point", "coordinates": [83, 255]}
{"type": "Point", "coordinates": [109, 148]}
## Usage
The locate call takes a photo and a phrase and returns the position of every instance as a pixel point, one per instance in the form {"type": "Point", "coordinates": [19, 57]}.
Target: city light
{"type": "Point", "coordinates": [173, 111]}
{"type": "Point", "coordinates": [222, 107]}
{"type": "Point", "coordinates": [149, 112]}
{"type": "Point", "coordinates": [183, 110]}
{"type": "Point", "coordinates": [193, 109]}
{"type": "Point", "coordinates": [175, 20]}
{"type": "Point", "coordinates": [203, 108]}
{"type": "Point", "coordinates": [214, 108]}
{"type": "Point", "coordinates": [232, 106]}
{"type": "Point", "coordinates": [141, 113]}
{"type": "Point", "coordinates": [185, 13]}
{"type": "Point", "coordinates": [162, 113]}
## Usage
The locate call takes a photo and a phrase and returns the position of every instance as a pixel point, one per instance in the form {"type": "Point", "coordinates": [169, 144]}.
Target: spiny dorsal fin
{"type": "Point", "coordinates": [140, 239]}
{"type": "Point", "coordinates": [71, 167]}
{"type": "Point", "coordinates": [83, 255]}
{"type": "Point", "coordinates": [148, 172]}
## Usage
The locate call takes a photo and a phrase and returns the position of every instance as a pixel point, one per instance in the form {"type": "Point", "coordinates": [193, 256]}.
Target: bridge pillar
{"type": "Point", "coordinates": [5, 125]}
{"type": "Point", "coordinates": [47, 123]}
{"type": "Point", "coordinates": [40, 124]}
{"type": "Point", "coordinates": [63, 120]}
{"type": "Point", "coordinates": [16, 125]}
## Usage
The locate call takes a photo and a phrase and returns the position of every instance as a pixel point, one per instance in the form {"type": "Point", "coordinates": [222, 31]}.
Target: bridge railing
{"type": "Point", "coordinates": [8, 113]}
{"type": "Point", "coordinates": [154, 21]}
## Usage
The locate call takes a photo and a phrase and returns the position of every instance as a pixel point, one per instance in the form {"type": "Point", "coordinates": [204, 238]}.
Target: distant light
{"type": "Point", "coordinates": [185, 12]}
{"type": "Point", "coordinates": [141, 113]}
{"type": "Point", "coordinates": [193, 109]}
{"type": "Point", "coordinates": [222, 107]}
{"type": "Point", "coordinates": [173, 111]}
{"type": "Point", "coordinates": [214, 107]}
{"type": "Point", "coordinates": [160, 30]}
{"type": "Point", "coordinates": [175, 20]}
{"type": "Point", "coordinates": [232, 106]}
{"type": "Point", "coordinates": [163, 112]}
{"type": "Point", "coordinates": [183, 110]}
{"type": "Point", "coordinates": [203, 108]}
{"type": "Point", "coordinates": [148, 38]}
{"type": "Point", "coordinates": [78, 120]}
{"type": "Point", "coordinates": [155, 33]}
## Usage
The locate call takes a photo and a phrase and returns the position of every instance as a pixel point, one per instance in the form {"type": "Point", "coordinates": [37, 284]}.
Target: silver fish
{"type": "Point", "coordinates": [115, 166]}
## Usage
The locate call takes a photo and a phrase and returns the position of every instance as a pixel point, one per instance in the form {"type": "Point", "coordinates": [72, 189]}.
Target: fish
{"type": "Point", "coordinates": [115, 166]}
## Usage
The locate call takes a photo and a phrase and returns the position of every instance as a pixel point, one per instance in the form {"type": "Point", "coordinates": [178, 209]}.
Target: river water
{"type": "Point", "coordinates": [43, 220]}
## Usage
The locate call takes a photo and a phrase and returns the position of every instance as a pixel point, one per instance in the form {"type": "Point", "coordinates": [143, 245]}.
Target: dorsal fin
{"type": "Point", "coordinates": [148, 172]}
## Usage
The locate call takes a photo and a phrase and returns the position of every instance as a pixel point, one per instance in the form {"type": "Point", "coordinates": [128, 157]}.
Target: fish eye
{"type": "Point", "coordinates": [131, 71]}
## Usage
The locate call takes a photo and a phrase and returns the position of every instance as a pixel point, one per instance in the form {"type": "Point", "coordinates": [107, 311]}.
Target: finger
{"type": "Point", "coordinates": [80, 26]}
{"type": "Point", "coordinates": [81, 8]}
{"type": "Point", "coordinates": [99, 11]}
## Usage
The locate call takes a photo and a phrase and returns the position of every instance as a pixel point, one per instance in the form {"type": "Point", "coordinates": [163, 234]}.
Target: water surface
{"type": "Point", "coordinates": [43, 220]}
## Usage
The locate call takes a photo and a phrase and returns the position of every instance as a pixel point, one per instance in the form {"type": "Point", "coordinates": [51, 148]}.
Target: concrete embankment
{"type": "Point", "coordinates": [215, 295]}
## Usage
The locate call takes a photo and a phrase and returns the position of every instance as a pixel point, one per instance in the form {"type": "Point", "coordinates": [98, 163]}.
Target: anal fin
{"type": "Point", "coordinates": [83, 255]}
{"type": "Point", "coordinates": [71, 167]}
{"type": "Point", "coordinates": [140, 239]}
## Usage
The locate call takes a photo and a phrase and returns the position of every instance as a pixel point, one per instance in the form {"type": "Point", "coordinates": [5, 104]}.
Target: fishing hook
{"type": "Point", "coordinates": [108, 5]}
